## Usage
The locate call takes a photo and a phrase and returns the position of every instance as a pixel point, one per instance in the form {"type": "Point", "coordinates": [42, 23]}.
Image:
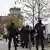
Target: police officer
{"type": "Point", "coordinates": [12, 34]}
{"type": "Point", "coordinates": [39, 34]}
{"type": "Point", "coordinates": [26, 35]}
{"type": "Point", "coordinates": [22, 36]}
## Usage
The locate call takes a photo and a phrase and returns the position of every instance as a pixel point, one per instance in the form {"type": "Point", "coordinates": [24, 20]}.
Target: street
{"type": "Point", "coordinates": [4, 46]}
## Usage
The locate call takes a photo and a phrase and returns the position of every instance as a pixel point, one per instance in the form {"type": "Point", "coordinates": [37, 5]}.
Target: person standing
{"type": "Point", "coordinates": [12, 34]}
{"type": "Point", "coordinates": [39, 34]}
{"type": "Point", "coordinates": [26, 35]}
{"type": "Point", "coordinates": [22, 36]}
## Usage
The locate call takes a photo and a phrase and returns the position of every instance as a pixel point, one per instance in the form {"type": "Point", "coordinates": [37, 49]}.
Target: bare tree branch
{"type": "Point", "coordinates": [30, 4]}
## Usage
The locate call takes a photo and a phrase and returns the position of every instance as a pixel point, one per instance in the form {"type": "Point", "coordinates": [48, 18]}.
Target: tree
{"type": "Point", "coordinates": [37, 9]}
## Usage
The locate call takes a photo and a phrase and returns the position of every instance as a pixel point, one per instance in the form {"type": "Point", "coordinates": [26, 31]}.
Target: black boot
{"type": "Point", "coordinates": [22, 45]}
{"type": "Point", "coordinates": [26, 45]}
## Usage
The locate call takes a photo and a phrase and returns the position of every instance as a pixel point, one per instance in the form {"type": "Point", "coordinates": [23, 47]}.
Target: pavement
{"type": "Point", "coordinates": [4, 46]}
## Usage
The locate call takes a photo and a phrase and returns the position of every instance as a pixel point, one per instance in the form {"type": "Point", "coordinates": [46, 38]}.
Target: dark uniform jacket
{"type": "Point", "coordinates": [39, 30]}
{"type": "Point", "coordinates": [24, 34]}
{"type": "Point", "coordinates": [12, 31]}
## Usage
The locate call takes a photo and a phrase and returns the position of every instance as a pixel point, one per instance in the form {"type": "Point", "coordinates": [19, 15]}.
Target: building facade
{"type": "Point", "coordinates": [16, 16]}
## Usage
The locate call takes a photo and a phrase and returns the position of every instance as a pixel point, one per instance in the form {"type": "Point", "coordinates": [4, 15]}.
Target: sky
{"type": "Point", "coordinates": [5, 5]}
